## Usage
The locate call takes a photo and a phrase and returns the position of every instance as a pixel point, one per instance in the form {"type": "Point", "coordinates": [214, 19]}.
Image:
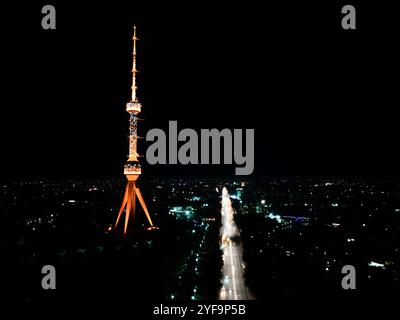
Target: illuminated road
{"type": "Point", "coordinates": [233, 286]}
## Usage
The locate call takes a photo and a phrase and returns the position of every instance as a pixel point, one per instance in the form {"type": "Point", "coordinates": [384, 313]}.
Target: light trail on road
{"type": "Point", "coordinates": [233, 285]}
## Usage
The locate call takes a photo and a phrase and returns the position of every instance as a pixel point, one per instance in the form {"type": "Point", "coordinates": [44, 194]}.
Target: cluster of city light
{"type": "Point", "coordinates": [376, 264]}
{"type": "Point", "coordinates": [276, 217]}
{"type": "Point", "coordinates": [197, 260]}
{"type": "Point", "coordinates": [179, 212]}
{"type": "Point", "coordinates": [233, 284]}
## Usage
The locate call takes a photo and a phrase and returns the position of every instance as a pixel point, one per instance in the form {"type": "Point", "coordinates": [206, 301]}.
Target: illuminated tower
{"type": "Point", "coordinates": [132, 169]}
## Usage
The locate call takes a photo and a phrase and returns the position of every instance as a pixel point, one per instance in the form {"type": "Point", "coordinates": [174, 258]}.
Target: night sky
{"type": "Point", "coordinates": [322, 100]}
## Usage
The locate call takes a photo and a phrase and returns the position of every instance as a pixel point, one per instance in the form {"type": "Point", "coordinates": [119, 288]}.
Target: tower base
{"type": "Point", "coordinates": [129, 203]}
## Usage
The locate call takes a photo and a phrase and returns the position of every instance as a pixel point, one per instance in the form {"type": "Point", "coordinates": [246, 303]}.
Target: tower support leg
{"type": "Point", "coordinates": [129, 204]}
{"type": "Point", "coordinates": [128, 207]}
{"type": "Point", "coordinates": [133, 200]}
{"type": "Point", "coordinates": [122, 205]}
{"type": "Point", "coordinates": [141, 200]}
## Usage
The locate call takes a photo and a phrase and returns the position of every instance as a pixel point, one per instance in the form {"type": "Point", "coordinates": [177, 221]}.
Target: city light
{"type": "Point", "coordinates": [376, 265]}
{"type": "Point", "coordinates": [233, 287]}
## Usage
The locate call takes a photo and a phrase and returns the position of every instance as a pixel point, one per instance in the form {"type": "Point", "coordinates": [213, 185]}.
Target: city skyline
{"type": "Point", "coordinates": [264, 136]}
{"type": "Point", "coordinates": [295, 234]}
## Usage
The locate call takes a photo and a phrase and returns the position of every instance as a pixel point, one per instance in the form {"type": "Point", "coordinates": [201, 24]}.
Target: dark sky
{"type": "Point", "coordinates": [322, 100]}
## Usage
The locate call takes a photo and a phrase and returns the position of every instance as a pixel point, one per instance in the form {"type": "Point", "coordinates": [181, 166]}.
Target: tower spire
{"type": "Point", "coordinates": [134, 70]}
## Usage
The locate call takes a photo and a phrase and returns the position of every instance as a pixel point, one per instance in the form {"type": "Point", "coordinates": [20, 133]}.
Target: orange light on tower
{"type": "Point", "coordinates": [132, 169]}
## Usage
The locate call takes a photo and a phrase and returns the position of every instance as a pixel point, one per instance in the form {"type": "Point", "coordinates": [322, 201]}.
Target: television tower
{"type": "Point", "coordinates": [132, 169]}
